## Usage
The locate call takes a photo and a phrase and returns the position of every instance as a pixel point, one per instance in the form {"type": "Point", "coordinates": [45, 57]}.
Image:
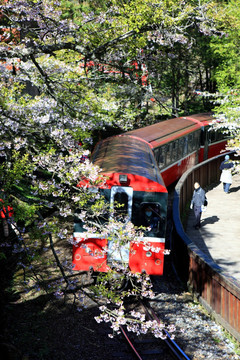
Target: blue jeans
{"type": "Point", "coordinates": [226, 187]}
{"type": "Point", "coordinates": [197, 214]}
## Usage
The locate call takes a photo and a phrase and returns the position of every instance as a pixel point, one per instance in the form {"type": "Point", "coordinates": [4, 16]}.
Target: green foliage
{"type": "Point", "coordinates": [227, 73]}
{"type": "Point", "coordinates": [73, 9]}
{"type": "Point", "coordinates": [2, 256]}
{"type": "Point", "coordinates": [227, 49]}
{"type": "Point", "coordinates": [70, 8]}
{"type": "Point", "coordinates": [37, 234]}
{"type": "Point", "coordinates": [20, 166]}
{"type": "Point", "coordinates": [109, 286]}
{"type": "Point", "coordinates": [25, 212]}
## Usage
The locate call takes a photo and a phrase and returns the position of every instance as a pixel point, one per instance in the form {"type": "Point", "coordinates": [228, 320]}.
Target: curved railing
{"type": "Point", "coordinates": [217, 290]}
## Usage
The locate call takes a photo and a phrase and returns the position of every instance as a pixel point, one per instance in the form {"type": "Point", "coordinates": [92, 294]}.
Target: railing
{"type": "Point", "coordinates": [218, 291]}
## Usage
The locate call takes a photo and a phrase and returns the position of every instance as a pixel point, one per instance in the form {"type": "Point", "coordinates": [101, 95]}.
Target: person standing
{"type": "Point", "coordinates": [197, 204]}
{"type": "Point", "coordinates": [226, 175]}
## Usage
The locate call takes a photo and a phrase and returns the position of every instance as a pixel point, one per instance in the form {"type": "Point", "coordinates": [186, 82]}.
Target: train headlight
{"type": "Point", "coordinates": [148, 254]}
{"type": "Point", "coordinates": [77, 257]}
{"type": "Point", "coordinates": [123, 179]}
{"type": "Point", "coordinates": [158, 262]}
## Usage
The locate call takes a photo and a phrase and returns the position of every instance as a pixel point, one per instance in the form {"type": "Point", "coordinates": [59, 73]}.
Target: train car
{"type": "Point", "coordinates": [133, 180]}
{"type": "Point", "coordinates": [180, 143]}
{"type": "Point", "coordinates": [139, 166]}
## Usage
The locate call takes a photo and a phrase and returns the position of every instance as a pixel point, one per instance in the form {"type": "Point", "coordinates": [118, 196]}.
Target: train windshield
{"type": "Point", "coordinates": [151, 219]}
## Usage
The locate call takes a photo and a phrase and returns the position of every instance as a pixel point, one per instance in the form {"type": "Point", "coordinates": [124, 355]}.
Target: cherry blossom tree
{"type": "Point", "coordinates": [66, 73]}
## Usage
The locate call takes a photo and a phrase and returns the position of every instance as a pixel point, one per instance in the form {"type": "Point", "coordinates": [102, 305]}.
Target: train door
{"type": "Point", "coordinates": [121, 200]}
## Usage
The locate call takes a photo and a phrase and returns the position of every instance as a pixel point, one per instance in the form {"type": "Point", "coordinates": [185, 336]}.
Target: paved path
{"type": "Point", "coordinates": [219, 235]}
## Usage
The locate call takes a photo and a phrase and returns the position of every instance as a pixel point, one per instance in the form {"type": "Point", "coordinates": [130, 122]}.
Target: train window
{"type": "Point", "coordinates": [150, 214]}
{"type": "Point", "coordinates": [185, 145]}
{"type": "Point", "coordinates": [196, 140]}
{"type": "Point", "coordinates": [121, 201]}
{"type": "Point", "coordinates": [161, 157]}
{"type": "Point", "coordinates": [220, 135]}
{"type": "Point", "coordinates": [203, 136]}
{"type": "Point", "coordinates": [215, 135]}
{"type": "Point", "coordinates": [168, 153]}
{"type": "Point", "coordinates": [225, 135]}
{"type": "Point", "coordinates": [180, 147]}
{"type": "Point", "coordinates": [211, 136]}
{"type": "Point", "coordinates": [175, 151]}
{"type": "Point", "coordinates": [190, 143]}
{"type": "Point", "coordinates": [156, 153]}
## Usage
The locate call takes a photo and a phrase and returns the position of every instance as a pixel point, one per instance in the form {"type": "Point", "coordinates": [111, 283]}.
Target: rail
{"type": "Point", "coordinates": [218, 292]}
{"type": "Point", "coordinates": [172, 347]}
{"type": "Point", "coordinates": [177, 352]}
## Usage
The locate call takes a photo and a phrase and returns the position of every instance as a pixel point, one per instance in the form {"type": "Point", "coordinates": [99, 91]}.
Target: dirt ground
{"type": "Point", "coordinates": [38, 326]}
{"type": "Point", "coordinates": [46, 329]}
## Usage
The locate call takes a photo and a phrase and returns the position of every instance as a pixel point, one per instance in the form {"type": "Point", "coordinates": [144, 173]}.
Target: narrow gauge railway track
{"type": "Point", "coordinates": [153, 348]}
{"type": "Point", "coordinates": [164, 349]}
{"type": "Point", "coordinates": [177, 352]}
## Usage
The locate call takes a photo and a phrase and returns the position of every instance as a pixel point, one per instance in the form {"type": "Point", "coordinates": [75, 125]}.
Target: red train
{"type": "Point", "coordinates": [139, 166]}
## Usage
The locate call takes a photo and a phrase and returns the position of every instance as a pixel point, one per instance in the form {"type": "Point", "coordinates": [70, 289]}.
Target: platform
{"type": "Point", "coordinates": [219, 235]}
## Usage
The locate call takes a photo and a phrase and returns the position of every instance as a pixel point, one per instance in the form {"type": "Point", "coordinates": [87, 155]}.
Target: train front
{"type": "Point", "coordinates": [136, 193]}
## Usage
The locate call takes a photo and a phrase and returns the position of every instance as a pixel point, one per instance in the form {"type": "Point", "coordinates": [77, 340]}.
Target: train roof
{"type": "Point", "coordinates": [167, 130]}
{"type": "Point", "coordinates": [127, 155]}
